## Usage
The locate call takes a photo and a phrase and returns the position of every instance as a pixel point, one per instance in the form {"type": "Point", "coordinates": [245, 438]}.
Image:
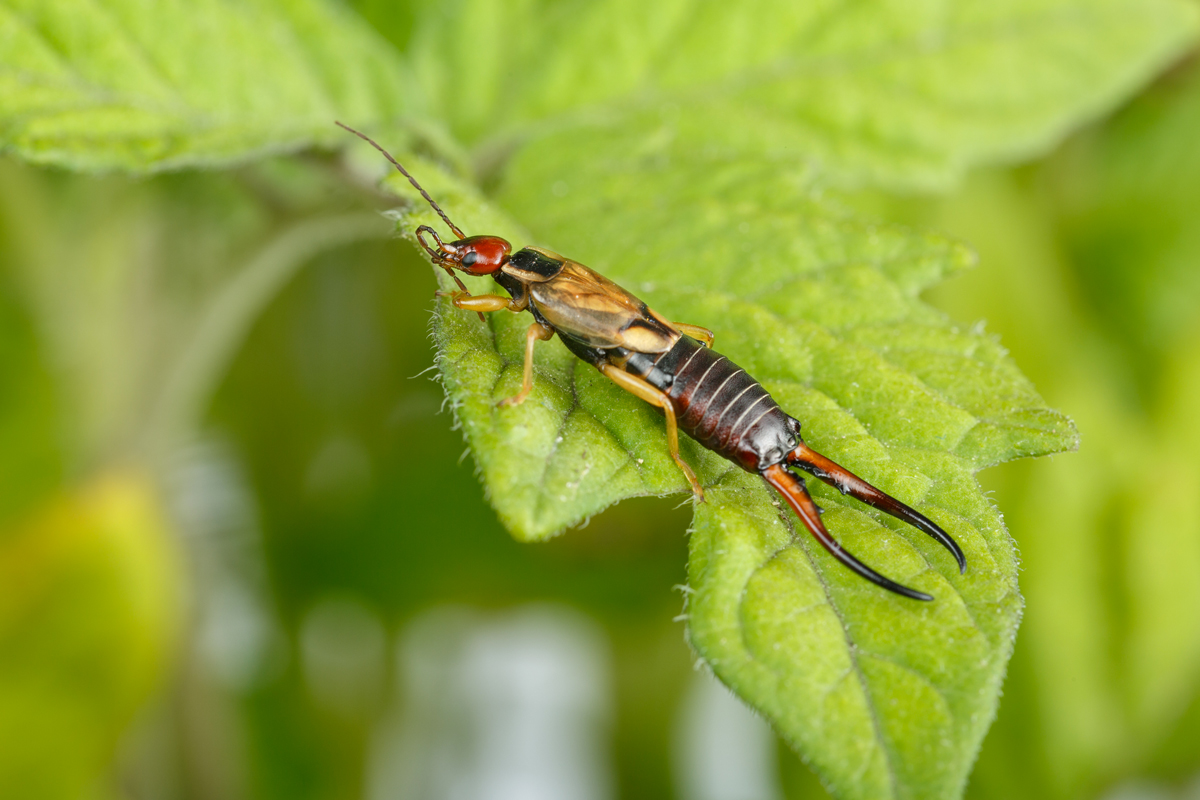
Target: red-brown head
{"type": "Point", "coordinates": [474, 255]}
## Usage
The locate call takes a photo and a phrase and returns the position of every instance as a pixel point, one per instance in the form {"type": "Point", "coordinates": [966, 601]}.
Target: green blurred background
{"type": "Point", "coordinates": [310, 598]}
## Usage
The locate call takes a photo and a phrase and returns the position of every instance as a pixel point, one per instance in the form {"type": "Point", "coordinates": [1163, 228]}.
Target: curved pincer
{"type": "Point", "coordinates": [847, 482]}
{"type": "Point", "coordinates": [793, 491]}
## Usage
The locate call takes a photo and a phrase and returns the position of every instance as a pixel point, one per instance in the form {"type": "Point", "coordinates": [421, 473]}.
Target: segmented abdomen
{"type": "Point", "coordinates": [719, 405]}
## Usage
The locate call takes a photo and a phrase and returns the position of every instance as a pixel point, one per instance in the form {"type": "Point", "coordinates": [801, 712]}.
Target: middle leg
{"type": "Point", "coordinates": [537, 333]}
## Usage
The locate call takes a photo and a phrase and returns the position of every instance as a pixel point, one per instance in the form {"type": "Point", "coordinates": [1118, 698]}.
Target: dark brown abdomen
{"type": "Point", "coordinates": [719, 405]}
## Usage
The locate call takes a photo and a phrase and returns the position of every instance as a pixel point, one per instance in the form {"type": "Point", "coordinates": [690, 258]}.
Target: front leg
{"type": "Point", "coordinates": [484, 302]}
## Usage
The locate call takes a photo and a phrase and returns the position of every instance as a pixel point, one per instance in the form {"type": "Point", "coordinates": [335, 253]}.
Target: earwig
{"type": "Point", "coordinates": [670, 365]}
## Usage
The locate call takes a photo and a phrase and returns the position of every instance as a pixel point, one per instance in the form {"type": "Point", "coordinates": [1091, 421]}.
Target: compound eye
{"type": "Point", "coordinates": [470, 258]}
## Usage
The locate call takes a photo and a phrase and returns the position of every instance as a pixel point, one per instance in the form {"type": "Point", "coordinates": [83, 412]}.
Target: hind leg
{"type": "Point", "coordinates": [702, 335]}
{"type": "Point", "coordinates": [640, 388]}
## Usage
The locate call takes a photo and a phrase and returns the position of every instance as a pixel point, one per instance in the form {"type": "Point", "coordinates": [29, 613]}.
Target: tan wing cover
{"type": "Point", "coordinates": [586, 305]}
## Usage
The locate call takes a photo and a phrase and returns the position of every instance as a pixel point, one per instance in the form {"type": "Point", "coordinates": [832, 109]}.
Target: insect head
{"type": "Point", "coordinates": [475, 255]}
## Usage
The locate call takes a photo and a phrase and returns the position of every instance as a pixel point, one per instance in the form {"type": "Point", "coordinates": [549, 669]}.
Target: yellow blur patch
{"type": "Point", "coordinates": [89, 611]}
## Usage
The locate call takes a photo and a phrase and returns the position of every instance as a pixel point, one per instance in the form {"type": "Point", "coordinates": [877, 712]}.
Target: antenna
{"type": "Point", "coordinates": [404, 172]}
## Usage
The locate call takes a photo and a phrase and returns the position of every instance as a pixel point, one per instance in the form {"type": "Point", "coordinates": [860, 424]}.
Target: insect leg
{"type": "Point", "coordinates": [792, 490]}
{"type": "Point", "coordinates": [480, 302]}
{"type": "Point", "coordinates": [641, 389]}
{"type": "Point", "coordinates": [457, 280]}
{"type": "Point", "coordinates": [847, 482]}
{"type": "Point", "coordinates": [537, 332]}
{"type": "Point", "coordinates": [703, 335]}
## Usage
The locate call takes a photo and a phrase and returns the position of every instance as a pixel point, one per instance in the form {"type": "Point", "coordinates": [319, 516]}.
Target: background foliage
{"type": "Point", "coordinates": [221, 497]}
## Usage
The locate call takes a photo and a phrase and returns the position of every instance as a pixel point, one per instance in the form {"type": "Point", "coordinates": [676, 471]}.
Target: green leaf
{"type": "Point", "coordinates": [118, 84]}
{"type": "Point", "coordinates": [877, 92]}
{"type": "Point", "coordinates": [886, 698]}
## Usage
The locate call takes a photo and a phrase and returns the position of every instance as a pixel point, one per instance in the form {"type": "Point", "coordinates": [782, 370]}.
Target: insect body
{"type": "Point", "coordinates": [669, 364]}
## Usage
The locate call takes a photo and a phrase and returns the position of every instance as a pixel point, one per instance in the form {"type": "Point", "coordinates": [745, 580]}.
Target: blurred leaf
{"type": "Point", "coordinates": [1163, 660]}
{"type": "Point", "coordinates": [140, 290]}
{"type": "Point", "coordinates": [89, 609]}
{"type": "Point", "coordinates": [31, 457]}
{"type": "Point", "coordinates": [1127, 196]}
{"type": "Point", "coordinates": [118, 84]}
{"type": "Point", "coordinates": [879, 92]}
